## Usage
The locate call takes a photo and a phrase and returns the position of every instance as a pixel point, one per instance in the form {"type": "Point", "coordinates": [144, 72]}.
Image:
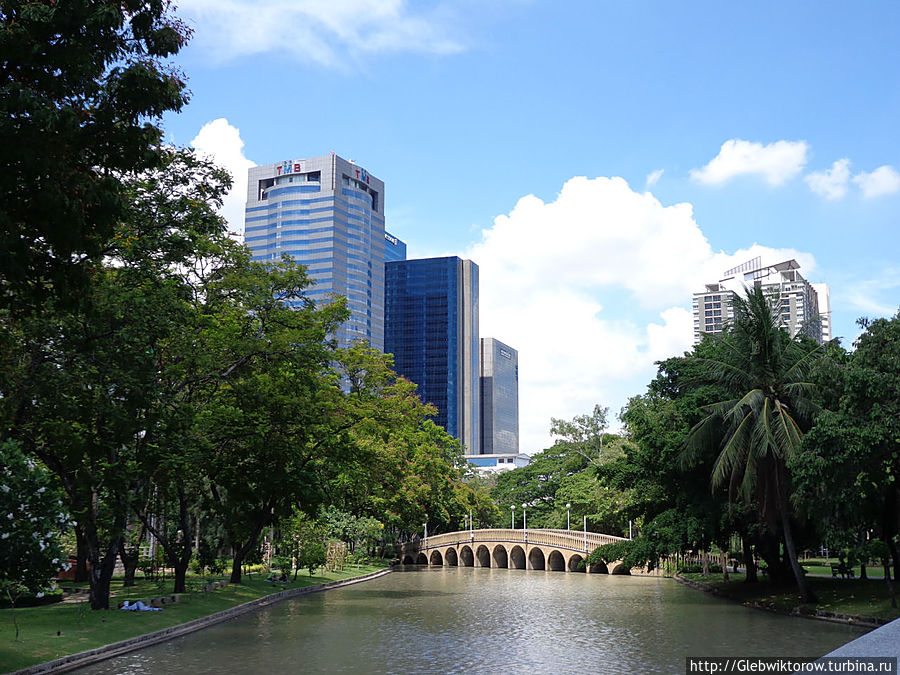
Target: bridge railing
{"type": "Point", "coordinates": [572, 540]}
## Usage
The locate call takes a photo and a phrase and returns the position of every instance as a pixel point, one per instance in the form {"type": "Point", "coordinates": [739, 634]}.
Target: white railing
{"type": "Point", "coordinates": [572, 540]}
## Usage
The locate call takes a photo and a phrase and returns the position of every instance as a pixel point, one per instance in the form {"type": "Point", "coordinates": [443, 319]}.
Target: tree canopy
{"type": "Point", "coordinates": [83, 86]}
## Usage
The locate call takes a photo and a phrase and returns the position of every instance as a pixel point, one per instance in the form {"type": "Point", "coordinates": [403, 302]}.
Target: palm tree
{"type": "Point", "coordinates": [759, 428]}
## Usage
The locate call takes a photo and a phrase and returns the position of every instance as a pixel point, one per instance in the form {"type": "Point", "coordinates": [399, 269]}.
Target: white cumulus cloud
{"type": "Point", "coordinates": [222, 143]}
{"type": "Point", "coordinates": [884, 180]}
{"type": "Point", "coordinates": [776, 162]}
{"type": "Point", "coordinates": [324, 32]}
{"type": "Point", "coordinates": [653, 177]}
{"type": "Point", "coordinates": [592, 289]}
{"type": "Point", "coordinates": [831, 183]}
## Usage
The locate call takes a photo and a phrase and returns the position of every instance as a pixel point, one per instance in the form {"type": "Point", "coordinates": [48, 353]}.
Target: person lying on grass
{"type": "Point", "coordinates": [138, 607]}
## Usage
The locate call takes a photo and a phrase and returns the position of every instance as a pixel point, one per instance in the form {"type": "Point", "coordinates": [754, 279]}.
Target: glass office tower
{"type": "Point", "coordinates": [499, 398]}
{"type": "Point", "coordinates": [431, 328]}
{"type": "Point", "coordinates": [394, 249]}
{"type": "Point", "coordinates": [327, 214]}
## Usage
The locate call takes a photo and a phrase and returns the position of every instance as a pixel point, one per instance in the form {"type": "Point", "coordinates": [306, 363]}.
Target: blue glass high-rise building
{"type": "Point", "coordinates": [327, 214]}
{"type": "Point", "coordinates": [499, 398]}
{"type": "Point", "coordinates": [431, 328]}
{"type": "Point", "coordinates": [394, 248]}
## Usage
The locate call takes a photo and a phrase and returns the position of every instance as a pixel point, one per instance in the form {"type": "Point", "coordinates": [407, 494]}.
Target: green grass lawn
{"type": "Point", "coordinates": [821, 567]}
{"type": "Point", "coordinates": [867, 598]}
{"type": "Point", "coordinates": [52, 631]}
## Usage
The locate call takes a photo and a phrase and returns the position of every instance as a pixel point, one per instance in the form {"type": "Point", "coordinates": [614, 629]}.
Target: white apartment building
{"type": "Point", "coordinates": [802, 306]}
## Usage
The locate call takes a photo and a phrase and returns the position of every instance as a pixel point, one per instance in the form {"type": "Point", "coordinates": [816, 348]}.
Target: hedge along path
{"type": "Point", "coordinates": [81, 659]}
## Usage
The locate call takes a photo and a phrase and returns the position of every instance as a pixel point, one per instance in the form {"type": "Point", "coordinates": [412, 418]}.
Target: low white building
{"type": "Point", "coordinates": [499, 462]}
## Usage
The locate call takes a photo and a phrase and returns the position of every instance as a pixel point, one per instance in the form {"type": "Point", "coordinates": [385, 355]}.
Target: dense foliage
{"type": "Point", "coordinates": [169, 389]}
{"type": "Point", "coordinates": [157, 385]}
{"type": "Point", "coordinates": [753, 446]}
{"type": "Point", "coordinates": [83, 85]}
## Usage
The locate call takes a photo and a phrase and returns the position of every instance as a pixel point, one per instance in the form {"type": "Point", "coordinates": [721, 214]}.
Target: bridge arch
{"type": "Point", "coordinates": [575, 564]}
{"type": "Point", "coordinates": [556, 562]}
{"type": "Point", "coordinates": [539, 549]}
{"type": "Point", "coordinates": [599, 568]}
{"type": "Point", "coordinates": [452, 558]}
{"type": "Point", "coordinates": [500, 557]}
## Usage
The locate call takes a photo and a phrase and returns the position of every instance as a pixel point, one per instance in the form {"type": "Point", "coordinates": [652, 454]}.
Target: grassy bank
{"type": "Point", "coordinates": [864, 598]}
{"type": "Point", "coordinates": [822, 567]}
{"type": "Point", "coordinates": [52, 631]}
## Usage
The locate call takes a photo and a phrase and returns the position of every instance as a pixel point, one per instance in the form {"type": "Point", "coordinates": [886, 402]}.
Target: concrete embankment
{"type": "Point", "coordinates": [822, 615]}
{"type": "Point", "coordinates": [73, 661]}
{"type": "Point", "coordinates": [884, 641]}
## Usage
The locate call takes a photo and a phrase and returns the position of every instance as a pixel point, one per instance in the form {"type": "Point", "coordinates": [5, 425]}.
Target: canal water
{"type": "Point", "coordinates": [478, 620]}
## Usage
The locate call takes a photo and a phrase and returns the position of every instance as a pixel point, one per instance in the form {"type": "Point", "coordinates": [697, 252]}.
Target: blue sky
{"type": "Point", "coordinates": [599, 160]}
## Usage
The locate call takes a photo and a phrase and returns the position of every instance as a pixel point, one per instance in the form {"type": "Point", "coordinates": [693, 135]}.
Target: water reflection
{"type": "Point", "coordinates": [448, 620]}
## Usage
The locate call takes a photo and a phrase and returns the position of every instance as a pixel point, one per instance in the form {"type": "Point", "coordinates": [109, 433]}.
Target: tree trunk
{"type": "Point", "coordinates": [102, 555]}
{"type": "Point", "coordinates": [81, 556]}
{"type": "Point", "coordinates": [236, 567]}
{"type": "Point", "coordinates": [182, 559]}
{"type": "Point", "coordinates": [129, 562]}
{"type": "Point", "coordinates": [769, 548]}
{"type": "Point", "coordinates": [101, 569]}
{"type": "Point", "coordinates": [802, 585]}
{"type": "Point", "coordinates": [749, 561]}
{"type": "Point", "coordinates": [895, 554]}
{"type": "Point", "coordinates": [180, 575]}
{"type": "Point", "coordinates": [723, 556]}
{"type": "Point", "coordinates": [181, 562]}
{"type": "Point", "coordinates": [887, 580]}
{"type": "Point", "coordinates": [242, 551]}
{"type": "Point", "coordinates": [790, 549]}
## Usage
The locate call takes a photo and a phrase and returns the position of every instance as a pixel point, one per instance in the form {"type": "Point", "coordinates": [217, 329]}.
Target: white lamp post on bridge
{"type": "Point", "coordinates": [524, 522]}
{"type": "Point", "coordinates": [425, 525]}
{"type": "Point", "coordinates": [568, 506]}
{"type": "Point", "coordinates": [512, 517]}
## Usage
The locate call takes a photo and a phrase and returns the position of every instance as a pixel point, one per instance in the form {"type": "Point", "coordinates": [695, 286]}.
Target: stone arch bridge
{"type": "Point", "coordinates": [533, 549]}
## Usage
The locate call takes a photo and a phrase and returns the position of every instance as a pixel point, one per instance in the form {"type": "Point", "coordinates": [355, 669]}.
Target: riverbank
{"type": "Point", "coordinates": [857, 602]}
{"type": "Point", "coordinates": [62, 636]}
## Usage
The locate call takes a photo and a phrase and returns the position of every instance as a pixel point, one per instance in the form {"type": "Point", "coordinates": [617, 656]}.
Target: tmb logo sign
{"type": "Point", "coordinates": [288, 166]}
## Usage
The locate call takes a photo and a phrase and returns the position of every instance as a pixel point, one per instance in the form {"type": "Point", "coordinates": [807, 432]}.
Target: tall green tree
{"type": "Point", "coordinates": [405, 469]}
{"type": "Point", "coordinates": [583, 434]}
{"type": "Point", "coordinates": [83, 87]}
{"type": "Point", "coordinates": [85, 385]}
{"type": "Point", "coordinates": [272, 425]}
{"type": "Point", "coordinates": [760, 426]}
{"type": "Point", "coordinates": [670, 501]}
{"type": "Point", "coordinates": [848, 471]}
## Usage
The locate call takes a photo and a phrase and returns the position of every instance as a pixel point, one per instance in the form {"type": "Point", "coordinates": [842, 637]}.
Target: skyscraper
{"type": "Point", "coordinates": [394, 249]}
{"type": "Point", "coordinates": [499, 398]}
{"type": "Point", "coordinates": [799, 308]}
{"type": "Point", "coordinates": [824, 296]}
{"type": "Point", "coordinates": [431, 328]}
{"type": "Point", "coordinates": [327, 213]}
